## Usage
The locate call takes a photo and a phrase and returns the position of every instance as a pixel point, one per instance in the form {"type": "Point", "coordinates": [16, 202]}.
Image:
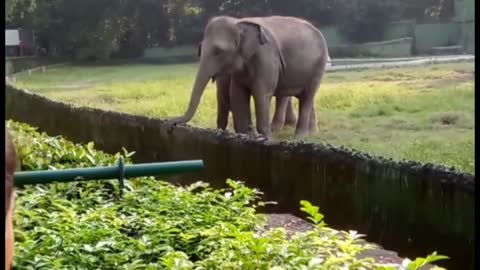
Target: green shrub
{"type": "Point", "coordinates": [157, 225]}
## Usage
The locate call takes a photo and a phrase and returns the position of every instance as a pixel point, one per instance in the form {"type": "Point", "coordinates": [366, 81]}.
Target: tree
{"type": "Point", "coordinates": [365, 20]}
{"type": "Point", "coordinates": [99, 27]}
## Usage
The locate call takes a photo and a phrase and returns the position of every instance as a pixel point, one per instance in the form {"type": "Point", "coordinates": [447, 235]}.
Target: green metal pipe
{"type": "Point", "coordinates": [114, 172]}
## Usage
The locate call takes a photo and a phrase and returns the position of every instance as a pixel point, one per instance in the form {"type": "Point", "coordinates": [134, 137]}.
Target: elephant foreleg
{"type": "Point", "coordinates": [223, 101]}
{"type": "Point", "coordinates": [262, 112]}
{"type": "Point", "coordinates": [240, 106]}
{"type": "Point", "coordinates": [251, 129]}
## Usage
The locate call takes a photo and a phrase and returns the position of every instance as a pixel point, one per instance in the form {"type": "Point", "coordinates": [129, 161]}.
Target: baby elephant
{"type": "Point", "coordinates": [264, 57]}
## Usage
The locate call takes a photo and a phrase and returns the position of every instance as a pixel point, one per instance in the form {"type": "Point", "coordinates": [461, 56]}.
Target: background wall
{"type": "Point", "coordinates": [465, 15]}
{"type": "Point", "coordinates": [401, 39]}
{"type": "Point", "coordinates": [167, 55]}
{"type": "Point", "coordinates": [436, 34]}
{"type": "Point", "coordinates": [401, 47]}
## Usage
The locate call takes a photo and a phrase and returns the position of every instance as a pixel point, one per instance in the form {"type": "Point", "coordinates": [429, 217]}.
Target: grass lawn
{"type": "Point", "coordinates": [422, 113]}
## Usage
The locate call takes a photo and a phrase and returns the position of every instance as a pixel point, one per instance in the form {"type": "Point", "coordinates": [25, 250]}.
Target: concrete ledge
{"type": "Point", "coordinates": [406, 63]}
{"type": "Point", "coordinates": [443, 50]}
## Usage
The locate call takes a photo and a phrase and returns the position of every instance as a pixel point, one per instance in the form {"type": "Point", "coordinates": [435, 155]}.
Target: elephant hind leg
{"type": "Point", "coordinates": [281, 106]}
{"type": "Point", "coordinates": [303, 123]}
{"type": "Point", "coordinates": [284, 114]}
{"type": "Point", "coordinates": [290, 117]}
{"type": "Point", "coordinates": [313, 125]}
{"type": "Point", "coordinates": [307, 122]}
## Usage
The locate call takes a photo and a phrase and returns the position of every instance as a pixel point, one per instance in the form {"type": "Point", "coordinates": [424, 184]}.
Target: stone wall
{"type": "Point", "coordinates": [405, 206]}
{"type": "Point", "coordinates": [432, 35]}
{"type": "Point", "coordinates": [393, 48]}
{"type": "Point", "coordinates": [19, 64]}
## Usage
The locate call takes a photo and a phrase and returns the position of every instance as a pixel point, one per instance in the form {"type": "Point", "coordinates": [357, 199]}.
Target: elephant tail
{"type": "Point", "coordinates": [325, 57]}
{"type": "Point", "coordinates": [329, 60]}
{"type": "Point", "coordinates": [325, 60]}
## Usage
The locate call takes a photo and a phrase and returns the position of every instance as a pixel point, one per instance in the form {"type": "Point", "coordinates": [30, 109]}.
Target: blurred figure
{"type": "Point", "coordinates": [10, 166]}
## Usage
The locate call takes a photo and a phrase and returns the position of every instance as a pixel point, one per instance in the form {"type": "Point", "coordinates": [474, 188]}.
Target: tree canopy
{"type": "Point", "coordinates": [128, 26]}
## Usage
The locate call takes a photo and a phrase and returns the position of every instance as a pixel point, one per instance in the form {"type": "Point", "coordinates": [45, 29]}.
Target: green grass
{"type": "Point", "coordinates": [423, 113]}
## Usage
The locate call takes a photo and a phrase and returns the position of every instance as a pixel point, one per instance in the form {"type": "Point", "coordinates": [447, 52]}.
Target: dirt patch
{"type": "Point", "coordinates": [293, 224]}
{"type": "Point", "coordinates": [461, 76]}
{"type": "Point", "coordinates": [463, 71]}
{"type": "Point", "coordinates": [72, 86]}
{"type": "Point", "coordinates": [447, 118]}
{"type": "Point", "coordinates": [390, 76]}
{"type": "Point", "coordinates": [430, 83]}
{"type": "Point", "coordinates": [75, 86]}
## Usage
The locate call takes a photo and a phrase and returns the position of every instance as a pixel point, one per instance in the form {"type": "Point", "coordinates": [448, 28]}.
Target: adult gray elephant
{"type": "Point", "coordinates": [283, 116]}
{"type": "Point", "coordinates": [266, 57]}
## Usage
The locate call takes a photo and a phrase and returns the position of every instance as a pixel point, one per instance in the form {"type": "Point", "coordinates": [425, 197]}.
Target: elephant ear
{"type": "Point", "coordinates": [253, 35]}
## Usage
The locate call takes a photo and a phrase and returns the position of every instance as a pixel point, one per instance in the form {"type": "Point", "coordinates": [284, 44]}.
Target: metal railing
{"type": "Point", "coordinates": [120, 172]}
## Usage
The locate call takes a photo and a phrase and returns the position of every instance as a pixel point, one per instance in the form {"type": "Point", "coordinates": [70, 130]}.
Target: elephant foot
{"type": "Point", "coordinates": [267, 133]}
{"type": "Point", "coordinates": [313, 129]}
{"type": "Point", "coordinates": [170, 124]}
{"type": "Point", "coordinates": [276, 126]}
{"type": "Point", "coordinates": [222, 128]}
{"type": "Point", "coordinates": [301, 134]}
{"type": "Point", "coordinates": [257, 136]}
{"type": "Point", "coordinates": [291, 122]}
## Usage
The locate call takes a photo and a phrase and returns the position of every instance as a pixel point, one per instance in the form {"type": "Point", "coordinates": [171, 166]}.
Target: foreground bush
{"type": "Point", "coordinates": [157, 225]}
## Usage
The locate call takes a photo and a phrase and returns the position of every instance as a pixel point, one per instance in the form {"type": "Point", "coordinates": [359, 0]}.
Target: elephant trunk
{"type": "Point", "coordinates": [201, 80]}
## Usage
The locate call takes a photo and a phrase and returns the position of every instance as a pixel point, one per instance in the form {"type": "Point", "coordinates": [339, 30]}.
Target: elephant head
{"type": "Point", "coordinates": [228, 43]}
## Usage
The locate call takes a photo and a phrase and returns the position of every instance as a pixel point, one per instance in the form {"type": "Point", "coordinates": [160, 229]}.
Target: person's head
{"type": "Point", "coordinates": [10, 166]}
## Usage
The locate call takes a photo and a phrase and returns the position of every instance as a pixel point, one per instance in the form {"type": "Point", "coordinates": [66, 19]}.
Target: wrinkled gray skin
{"type": "Point", "coordinates": [266, 56]}
{"type": "Point", "coordinates": [223, 104]}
